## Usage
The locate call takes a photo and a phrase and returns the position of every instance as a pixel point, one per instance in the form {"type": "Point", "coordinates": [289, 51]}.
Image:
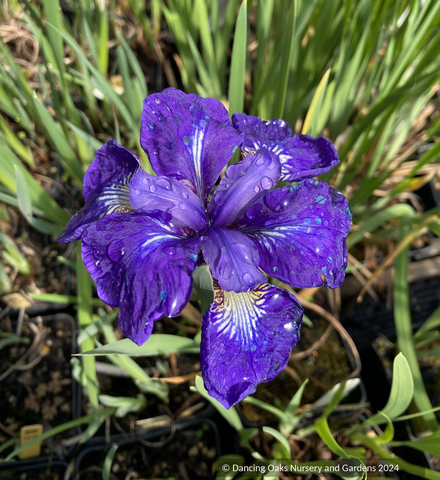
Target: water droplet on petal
{"type": "Point", "coordinates": [164, 183]}
{"type": "Point", "coordinates": [182, 206]}
{"type": "Point", "coordinates": [275, 269]}
{"type": "Point", "coordinates": [163, 295]}
{"type": "Point", "coordinates": [321, 200]}
{"type": "Point", "coordinates": [223, 249]}
{"type": "Point", "coordinates": [329, 259]}
{"type": "Point", "coordinates": [253, 347]}
{"type": "Point", "coordinates": [137, 192]}
{"type": "Point", "coordinates": [153, 188]}
{"type": "Point", "coordinates": [186, 140]}
{"type": "Point", "coordinates": [324, 270]}
{"type": "Point", "coordinates": [171, 251]}
{"type": "Point", "coordinates": [266, 183]}
{"type": "Point", "coordinates": [233, 272]}
{"type": "Point", "coordinates": [203, 123]}
{"type": "Point", "coordinates": [184, 195]}
{"type": "Point", "coordinates": [260, 161]}
{"type": "Point", "coordinates": [318, 220]}
{"type": "Point", "coordinates": [150, 126]}
{"type": "Point", "coordinates": [145, 181]}
{"type": "Point", "coordinates": [248, 279]}
{"type": "Point", "coordinates": [256, 189]}
{"type": "Point", "coordinates": [227, 185]}
{"type": "Point", "coordinates": [157, 100]}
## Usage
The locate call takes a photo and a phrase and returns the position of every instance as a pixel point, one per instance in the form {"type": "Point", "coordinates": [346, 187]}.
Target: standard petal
{"type": "Point", "coordinates": [301, 156]}
{"type": "Point", "coordinates": [105, 188]}
{"type": "Point", "coordinates": [243, 184]}
{"type": "Point", "coordinates": [187, 137]}
{"type": "Point", "coordinates": [246, 340]}
{"type": "Point", "coordinates": [167, 195]}
{"type": "Point", "coordinates": [142, 265]}
{"type": "Point", "coordinates": [232, 258]}
{"type": "Point", "coordinates": [300, 232]}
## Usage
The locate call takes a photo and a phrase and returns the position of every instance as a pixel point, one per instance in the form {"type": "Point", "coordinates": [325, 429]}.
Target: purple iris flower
{"type": "Point", "coordinates": [143, 235]}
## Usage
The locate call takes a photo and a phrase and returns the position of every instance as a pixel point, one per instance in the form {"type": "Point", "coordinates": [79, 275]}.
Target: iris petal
{"type": "Point", "coordinates": [187, 137]}
{"type": "Point", "coordinates": [246, 340]}
{"type": "Point", "coordinates": [301, 156]}
{"type": "Point", "coordinates": [243, 184]}
{"type": "Point", "coordinates": [167, 195]}
{"type": "Point", "coordinates": [232, 258]}
{"type": "Point", "coordinates": [143, 265]}
{"type": "Point", "coordinates": [106, 188]}
{"type": "Point", "coordinates": [300, 232]}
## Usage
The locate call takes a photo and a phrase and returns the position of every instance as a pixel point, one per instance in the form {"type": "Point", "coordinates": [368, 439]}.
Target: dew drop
{"type": "Point", "coordinates": [182, 206]}
{"type": "Point", "coordinates": [223, 249]}
{"type": "Point", "coordinates": [145, 181]}
{"type": "Point", "coordinates": [193, 257]}
{"type": "Point", "coordinates": [266, 183]}
{"type": "Point", "coordinates": [153, 188]}
{"type": "Point", "coordinates": [227, 185]}
{"type": "Point", "coordinates": [307, 220]}
{"type": "Point", "coordinates": [321, 200]}
{"type": "Point", "coordinates": [157, 100]}
{"type": "Point", "coordinates": [203, 238]}
{"type": "Point", "coordinates": [203, 123]}
{"type": "Point", "coordinates": [164, 183]}
{"type": "Point", "coordinates": [137, 192]}
{"type": "Point", "coordinates": [150, 126]}
{"type": "Point", "coordinates": [233, 272]}
{"type": "Point", "coordinates": [275, 269]}
{"type": "Point", "coordinates": [256, 189]}
{"type": "Point", "coordinates": [171, 251]}
{"type": "Point", "coordinates": [97, 263]}
{"type": "Point", "coordinates": [253, 347]}
{"type": "Point", "coordinates": [260, 161]}
{"type": "Point", "coordinates": [248, 279]}
{"type": "Point", "coordinates": [186, 140]}
{"type": "Point", "coordinates": [324, 270]}
{"type": "Point", "coordinates": [318, 220]}
{"type": "Point", "coordinates": [163, 295]}
{"type": "Point", "coordinates": [184, 195]}
{"type": "Point", "coordinates": [329, 259]}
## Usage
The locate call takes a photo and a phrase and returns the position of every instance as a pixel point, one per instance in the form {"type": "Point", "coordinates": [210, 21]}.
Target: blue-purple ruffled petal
{"type": "Point", "coordinates": [301, 232]}
{"type": "Point", "coordinates": [301, 156]}
{"type": "Point", "coordinates": [143, 265]}
{"type": "Point", "coordinates": [106, 188]}
{"type": "Point", "coordinates": [232, 258]}
{"type": "Point", "coordinates": [246, 340]}
{"type": "Point", "coordinates": [167, 195]}
{"type": "Point", "coordinates": [243, 184]}
{"type": "Point", "coordinates": [187, 137]}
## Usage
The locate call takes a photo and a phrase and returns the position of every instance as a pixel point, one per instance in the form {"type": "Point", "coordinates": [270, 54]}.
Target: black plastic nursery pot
{"type": "Point", "coordinates": [35, 469]}
{"type": "Point", "coordinates": [41, 390]}
{"type": "Point", "coordinates": [186, 449]}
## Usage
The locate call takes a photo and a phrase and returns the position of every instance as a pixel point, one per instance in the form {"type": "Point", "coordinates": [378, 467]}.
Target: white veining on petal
{"type": "Point", "coordinates": [240, 313]}
{"type": "Point", "coordinates": [196, 148]}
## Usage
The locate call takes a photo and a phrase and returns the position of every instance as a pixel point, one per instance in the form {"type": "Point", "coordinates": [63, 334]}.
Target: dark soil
{"type": "Point", "coordinates": [41, 394]}
{"type": "Point", "coordinates": [189, 455]}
